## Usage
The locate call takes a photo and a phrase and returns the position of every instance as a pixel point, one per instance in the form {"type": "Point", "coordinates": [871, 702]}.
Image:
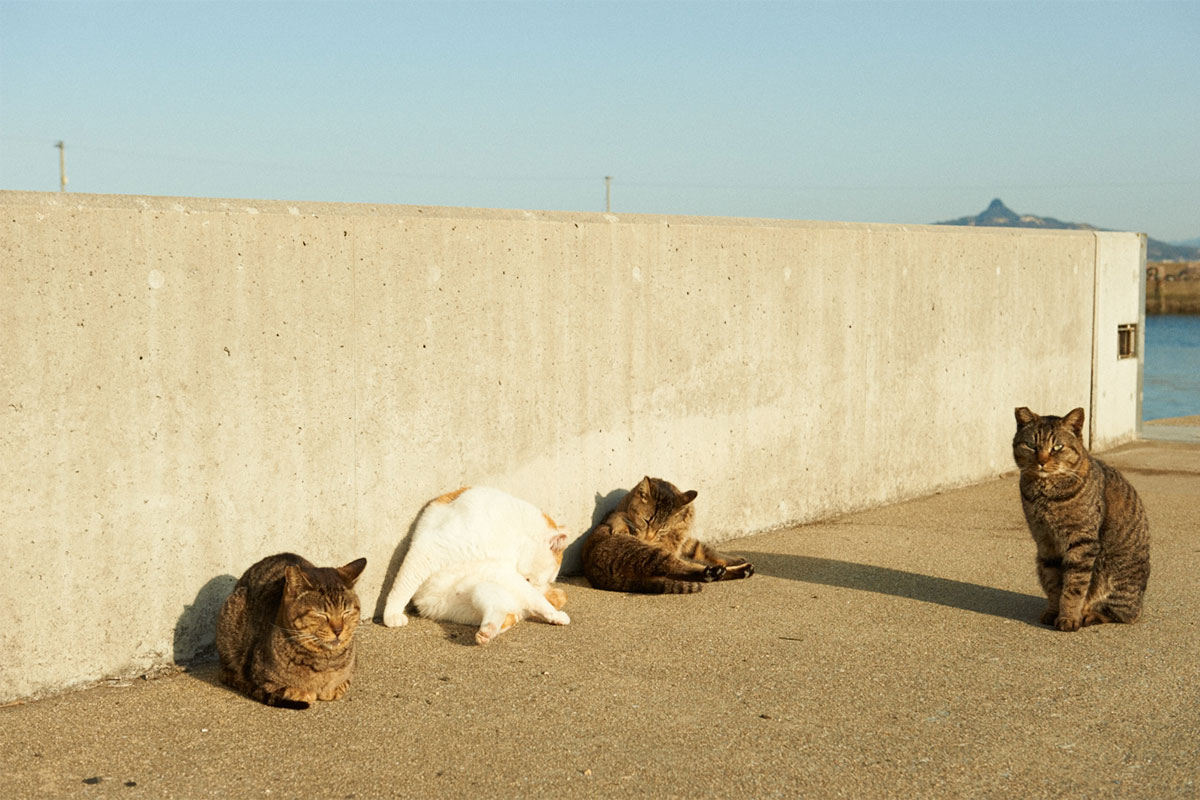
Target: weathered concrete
{"type": "Point", "coordinates": [889, 653]}
{"type": "Point", "coordinates": [1120, 300]}
{"type": "Point", "coordinates": [189, 385]}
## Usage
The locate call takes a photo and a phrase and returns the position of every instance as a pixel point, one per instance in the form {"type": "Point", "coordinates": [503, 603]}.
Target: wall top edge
{"type": "Point", "coordinates": [207, 205]}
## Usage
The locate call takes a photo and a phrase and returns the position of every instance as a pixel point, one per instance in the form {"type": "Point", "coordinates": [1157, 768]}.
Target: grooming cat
{"type": "Point", "coordinates": [285, 634]}
{"type": "Point", "coordinates": [645, 545]}
{"type": "Point", "coordinates": [480, 541]}
{"type": "Point", "coordinates": [1093, 541]}
{"type": "Point", "coordinates": [493, 595]}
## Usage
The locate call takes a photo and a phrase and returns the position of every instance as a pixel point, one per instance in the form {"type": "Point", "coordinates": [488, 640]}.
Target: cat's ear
{"type": "Point", "coordinates": [558, 543]}
{"type": "Point", "coordinates": [1075, 420]}
{"type": "Point", "coordinates": [1025, 416]}
{"type": "Point", "coordinates": [688, 497]}
{"type": "Point", "coordinates": [295, 580]}
{"type": "Point", "coordinates": [349, 573]}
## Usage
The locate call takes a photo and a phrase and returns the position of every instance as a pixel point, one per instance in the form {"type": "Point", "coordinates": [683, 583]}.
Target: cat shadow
{"type": "Point", "coordinates": [393, 567]}
{"type": "Point", "coordinates": [572, 563]}
{"type": "Point", "coordinates": [457, 633]}
{"type": "Point", "coordinates": [195, 640]}
{"type": "Point", "coordinates": [911, 585]}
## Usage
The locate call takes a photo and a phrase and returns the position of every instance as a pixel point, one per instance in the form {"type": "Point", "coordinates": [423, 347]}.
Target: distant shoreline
{"type": "Point", "coordinates": [1181, 422]}
{"type": "Point", "coordinates": [1173, 287]}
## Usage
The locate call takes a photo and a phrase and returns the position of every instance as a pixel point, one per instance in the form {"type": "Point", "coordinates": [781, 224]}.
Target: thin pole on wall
{"type": "Point", "coordinates": [62, 165]}
{"type": "Point", "coordinates": [607, 194]}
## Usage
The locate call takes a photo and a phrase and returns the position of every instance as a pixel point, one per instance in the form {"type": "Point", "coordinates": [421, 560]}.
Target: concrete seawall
{"type": "Point", "coordinates": [189, 385]}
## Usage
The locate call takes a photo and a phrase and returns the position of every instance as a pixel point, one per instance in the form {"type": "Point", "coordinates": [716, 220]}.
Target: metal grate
{"type": "Point", "coordinates": [1127, 341]}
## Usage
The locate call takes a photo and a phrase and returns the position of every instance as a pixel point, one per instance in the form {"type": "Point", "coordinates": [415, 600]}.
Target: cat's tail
{"type": "Point", "coordinates": [269, 698]}
{"type": "Point", "coordinates": [661, 585]}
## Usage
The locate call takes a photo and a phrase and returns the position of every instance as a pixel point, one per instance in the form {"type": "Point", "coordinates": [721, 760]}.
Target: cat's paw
{"type": "Point", "coordinates": [559, 618]}
{"type": "Point", "coordinates": [1049, 616]}
{"type": "Point", "coordinates": [393, 618]}
{"type": "Point", "coordinates": [1067, 624]}
{"type": "Point", "coordinates": [486, 633]}
{"type": "Point", "coordinates": [743, 570]}
{"type": "Point", "coordinates": [713, 573]}
{"type": "Point", "coordinates": [334, 693]}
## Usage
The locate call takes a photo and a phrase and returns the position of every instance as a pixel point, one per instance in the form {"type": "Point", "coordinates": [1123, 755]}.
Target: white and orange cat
{"type": "Point", "coordinates": [480, 556]}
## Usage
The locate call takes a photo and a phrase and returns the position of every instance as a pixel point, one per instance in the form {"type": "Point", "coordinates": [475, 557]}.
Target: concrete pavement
{"type": "Point", "coordinates": [893, 652]}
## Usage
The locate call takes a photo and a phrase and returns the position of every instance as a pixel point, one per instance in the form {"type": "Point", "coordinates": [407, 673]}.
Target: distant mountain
{"type": "Point", "coordinates": [998, 215]}
{"type": "Point", "coordinates": [1188, 242]}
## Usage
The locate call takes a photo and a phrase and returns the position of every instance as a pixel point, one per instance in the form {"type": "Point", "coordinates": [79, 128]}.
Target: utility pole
{"type": "Point", "coordinates": [62, 165]}
{"type": "Point", "coordinates": [607, 193]}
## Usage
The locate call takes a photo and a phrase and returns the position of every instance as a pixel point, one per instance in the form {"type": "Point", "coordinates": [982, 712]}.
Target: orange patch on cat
{"type": "Point", "coordinates": [553, 525]}
{"type": "Point", "coordinates": [450, 497]}
{"type": "Point", "coordinates": [509, 621]}
{"type": "Point", "coordinates": [557, 597]}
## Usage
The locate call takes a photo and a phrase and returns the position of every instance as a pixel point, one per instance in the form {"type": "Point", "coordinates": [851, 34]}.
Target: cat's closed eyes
{"type": "Point", "coordinates": [1093, 540]}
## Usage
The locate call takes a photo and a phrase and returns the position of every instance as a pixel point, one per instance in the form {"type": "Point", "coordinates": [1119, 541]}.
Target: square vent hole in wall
{"type": "Point", "coordinates": [1127, 341]}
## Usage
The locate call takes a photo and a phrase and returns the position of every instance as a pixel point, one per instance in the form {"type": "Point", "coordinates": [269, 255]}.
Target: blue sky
{"type": "Point", "coordinates": [883, 112]}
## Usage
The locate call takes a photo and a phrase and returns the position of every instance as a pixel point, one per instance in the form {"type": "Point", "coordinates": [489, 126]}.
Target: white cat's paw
{"type": "Point", "coordinates": [486, 633]}
{"type": "Point", "coordinates": [559, 618]}
{"type": "Point", "coordinates": [393, 618]}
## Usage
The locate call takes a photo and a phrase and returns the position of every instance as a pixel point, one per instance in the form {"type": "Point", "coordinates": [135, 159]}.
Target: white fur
{"type": "Point", "coordinates": [483, 593]}
{"type": "Point", "coordinates": [480, 525]}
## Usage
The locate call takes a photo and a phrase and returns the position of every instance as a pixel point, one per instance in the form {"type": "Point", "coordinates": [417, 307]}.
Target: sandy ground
{"type": "Point", "coordinates": [889, 653]}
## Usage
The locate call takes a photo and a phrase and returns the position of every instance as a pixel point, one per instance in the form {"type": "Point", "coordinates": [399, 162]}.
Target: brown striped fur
{"type": "Point", "coordinates": [645, 545]}
{"type": "Point", "coordinates": [285, 634]}
{"type": "Point", "coordinates": [1093, 540]}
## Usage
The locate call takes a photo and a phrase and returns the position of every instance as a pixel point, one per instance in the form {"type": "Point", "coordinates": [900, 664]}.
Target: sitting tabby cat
{"type": "Point", "coordinates": [645, 545]}
{"type": "Point", "coordinates": [285, 634]}
{"type": "Point", "coordinates": [480, 556]}
{"type": "Point", "coordinates": [1093, 541]}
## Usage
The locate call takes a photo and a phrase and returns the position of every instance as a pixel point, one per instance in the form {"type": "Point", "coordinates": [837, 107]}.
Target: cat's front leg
{"type": "Point", "coordinates": [334, 691]}
{"type": "Point", "coordinates": [272, 692]}
{"type": "Point", "coordinates": [546, 604]}
{"type": "Point", "coordinates": [1077, 564]}
{"type": "Point", "coordinates": [556, 597]}
{"type": "Point", "coordinates": [1049, 571]}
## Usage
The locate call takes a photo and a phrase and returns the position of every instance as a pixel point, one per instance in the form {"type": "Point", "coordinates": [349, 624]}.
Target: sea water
{"type": "Point", "coordinates": [1171, 369]}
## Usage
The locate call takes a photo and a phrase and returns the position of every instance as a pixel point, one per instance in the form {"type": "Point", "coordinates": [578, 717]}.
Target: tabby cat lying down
{"type": "Point", "coordinates": [645, 545]}
{"type": "Point", "coordinates": [285, 634]}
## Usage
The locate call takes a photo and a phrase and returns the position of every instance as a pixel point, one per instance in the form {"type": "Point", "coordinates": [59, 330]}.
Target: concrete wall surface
{"type": "Point", "coordinates": [190, 385]}
{"type": "Point", "coordinates": [1116, 381]}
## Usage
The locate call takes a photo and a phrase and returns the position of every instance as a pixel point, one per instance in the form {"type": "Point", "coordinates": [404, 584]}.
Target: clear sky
{"type": "Point", "coordinates": [884, 112]}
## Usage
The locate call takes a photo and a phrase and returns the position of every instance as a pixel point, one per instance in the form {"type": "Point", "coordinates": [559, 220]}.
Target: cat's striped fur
{"type": "Point", "coordinates": [1093, 540]}
{"type": "Point", "coordinates": [285, 634]}
{"type": "Point", "coordinates": [645, 545]}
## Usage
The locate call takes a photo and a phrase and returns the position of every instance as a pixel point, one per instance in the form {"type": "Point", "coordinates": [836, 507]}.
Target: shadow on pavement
{"type": "Point", "coordinates": [884, 580]}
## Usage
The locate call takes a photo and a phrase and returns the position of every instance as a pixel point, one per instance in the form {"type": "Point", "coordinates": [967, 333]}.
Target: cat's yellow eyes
{"type": "Point", "coordinates": [1056, 448]}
